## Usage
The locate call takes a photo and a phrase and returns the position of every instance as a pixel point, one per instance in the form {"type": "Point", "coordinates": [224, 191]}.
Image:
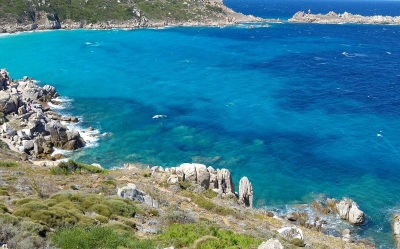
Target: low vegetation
{"type": "Point", "coordinates": [104, 10]}
{"type": "Point", "coordinates": [6, 164]}
{"type": "Point", "coordinates": [74, 205]}
{"type": "Point", "coordinates": [71, 167]}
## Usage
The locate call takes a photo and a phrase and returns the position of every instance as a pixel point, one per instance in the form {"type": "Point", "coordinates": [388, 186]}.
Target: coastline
{"type": "Point", "coordinates": [226, 17]}
{"type": "Point", "coordinates": [29, 125]}
{"type": "Point", "coordinates": [334, 18]}
{"type": "Point", "coordinates": [161, 26]}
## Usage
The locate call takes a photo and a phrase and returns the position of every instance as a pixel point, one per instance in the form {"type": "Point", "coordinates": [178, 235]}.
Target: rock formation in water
{"type": "Point", "coordinates": [29, 125]}
{"type": "Point", "coordinates": [396, 229]}
{"type": "Point", "coordinates": [333, 18]}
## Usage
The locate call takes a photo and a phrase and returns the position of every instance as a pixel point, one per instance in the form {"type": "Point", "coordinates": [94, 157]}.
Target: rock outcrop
{"type": "Point", "coordinates": [396, 229]}
{"type": "Point", "coordinates": [132, 192]}
{"type": "Point", "coordinates": [32, 128]}
{"type": "Point", "coordinates": [333, 18]}
{"type": "Point", "coordinates": [291, 233]}
{"type": "Point", "coordinates": [271, 244]}
{"type": "Point", "coordinates": [219, 180]}
{"type": "Point", "coordinates": [348, 210]}
{"type": "Point", "coordinates": [245, 192]}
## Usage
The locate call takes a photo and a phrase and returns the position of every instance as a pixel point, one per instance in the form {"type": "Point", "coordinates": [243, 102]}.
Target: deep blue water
{"type": "Point", "coordinates": [300, 109]}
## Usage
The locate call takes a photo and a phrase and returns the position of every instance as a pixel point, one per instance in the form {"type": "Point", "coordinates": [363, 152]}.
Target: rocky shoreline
{"type": "Point", "coordinates": [28, 124]}
{"type": "Point", "coordinates": [31, 128]}
{"type": "Point", "coordinates": [334, 18]}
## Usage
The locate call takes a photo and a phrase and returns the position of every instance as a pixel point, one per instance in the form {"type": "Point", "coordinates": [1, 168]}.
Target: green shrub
{"type": "Point", "coordinates": [109, 182]}
{"type": "Point", "coordinates": [209, 193]}
{"type": "Point", "coordinates": [154, 212]}
{"type": "Point", "coordinates": [20, 233]}
{"type": "Point", "coordinates": [101, 218]}
{"type": "Point", "coordinates": [3, 209]}
{"type": "Point", "coordinates": [23, 201]}
{"type": "Point", "coordinates": [116, 225]}
{"type": "Point", "coordinates": [120, 207]}
{"type": "Point", "coordinates": [97, 237]}
{"type": "Point", "coordinates": [8, 164]}
{"type": "Point", "coordinates": [101, 209]}
{"type": "Point", "coordinates": [297, 242]}
{"type": "Point", "coordinates": [3, 191]}
{"type": "Point", "coordinates": [128, 222]}
{"type": "Point", "coordinates": [66, 168]}
{"type": "Point", "coordinates": [205, 236]}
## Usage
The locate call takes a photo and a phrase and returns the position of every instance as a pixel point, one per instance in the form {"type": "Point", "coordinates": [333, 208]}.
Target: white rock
{"type": "Point", "coordinates": [396, 229]}
{"type": "Point", "coordinates": [291, 233]}
{"type": "Point", "coordinates": [245, 192]}
{"type": "Point", "coordinates": [271, 244]}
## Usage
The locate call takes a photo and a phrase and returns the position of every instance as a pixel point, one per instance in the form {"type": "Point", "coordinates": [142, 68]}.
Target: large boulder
{"type": "Point", "coordinates": [7, 104]}
{"type": "Point", "coordinates": [63, 138]}
{"type": "Point", "coordinates": [8, 130]}
{"type": "Point", "coordinates": [271, 244]}
{"type": "Point", "coordinates": [348, 210]}
{"type": "Point", "coordinates": [4, 79]}
{"type": "Point", "coordinates": [291, 233]}
{"type": "Point", "coordinates": [42, 146]}
{"type": "Point", "coordinates": [225, 184]}
{"type": "Point", "coordinates": [245, 192]}
{"type": "Point", "coordinates": [396, 229]}
{"type": "Point", "coordinates": [192, 172]}
{"type": "Point", "coordinates": [132, 192]}
{"type": "Point", "coordinates": [203, 176]}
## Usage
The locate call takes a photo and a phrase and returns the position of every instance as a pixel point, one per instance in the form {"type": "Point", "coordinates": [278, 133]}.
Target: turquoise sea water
{"type": "Point", "coordinates": [300, 109]}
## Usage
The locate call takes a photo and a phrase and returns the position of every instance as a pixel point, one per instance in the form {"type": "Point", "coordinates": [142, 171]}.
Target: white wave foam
{"type": "Point", "coordinates": [91, 137]}
{"type": "Point", "coordinates": [65, 102]}
{"type": "Point", "coordinates": [66, 153]}
{"type": "Point", "coordinates": [353, 55]}
{"type": "Point", "coordinates": [334, 225]}
{"type": "Point", "coordinates": [92, 44]}
{"type": "Point", "coordinates": [159, 116]}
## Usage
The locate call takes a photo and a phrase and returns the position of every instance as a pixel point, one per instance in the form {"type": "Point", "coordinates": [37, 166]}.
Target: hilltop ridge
{"type": "Point", "coordinates": [23, 15]}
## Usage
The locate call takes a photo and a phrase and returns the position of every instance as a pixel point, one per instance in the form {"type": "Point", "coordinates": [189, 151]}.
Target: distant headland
{"type": "Point", "coordinates": [334, 18]}
{"type": "Point", "coordinates": [35, 15]}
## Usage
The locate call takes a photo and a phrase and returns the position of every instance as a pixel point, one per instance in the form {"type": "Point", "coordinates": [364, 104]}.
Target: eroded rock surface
{"type": "Point", "coordinates": [32, 127]}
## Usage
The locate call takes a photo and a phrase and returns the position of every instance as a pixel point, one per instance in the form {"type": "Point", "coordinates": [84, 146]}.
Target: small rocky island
{"type": "Point", "coordinates": [334, 18]}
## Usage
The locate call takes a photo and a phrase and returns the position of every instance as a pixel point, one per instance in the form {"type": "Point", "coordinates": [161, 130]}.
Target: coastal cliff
{"type": "Point", "coordinates": [52, 14]}
{"type": "Point", "coordinates": [334, 18]}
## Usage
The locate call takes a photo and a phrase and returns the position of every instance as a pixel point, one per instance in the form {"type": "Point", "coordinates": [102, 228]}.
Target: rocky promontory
{"type": "Point", "coordinates": [37, 15]}
{"type": "Point", "coordinates": [28, 124]}
{"type": "Point", "coordinates": [334, 18]}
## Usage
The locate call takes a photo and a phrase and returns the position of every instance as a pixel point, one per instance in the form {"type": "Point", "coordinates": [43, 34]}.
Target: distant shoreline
{"type": "Point", "coordinates": [334, 18]}
{"type": "Point", "coordinates": [227, 17]}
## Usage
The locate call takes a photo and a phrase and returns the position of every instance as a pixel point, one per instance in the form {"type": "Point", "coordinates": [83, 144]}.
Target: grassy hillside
{"type": "Point", "coordinates": [101, 10]}
{"type": "Point", "coordinates": [74, 205]}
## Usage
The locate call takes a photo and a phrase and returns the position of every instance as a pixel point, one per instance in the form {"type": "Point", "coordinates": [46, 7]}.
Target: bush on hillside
{"type": "Point", "coordinates": [70, 167]}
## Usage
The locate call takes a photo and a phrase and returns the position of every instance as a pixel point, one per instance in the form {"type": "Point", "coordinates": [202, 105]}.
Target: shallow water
{"type": "Point", "coordinates": [302, 110]}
